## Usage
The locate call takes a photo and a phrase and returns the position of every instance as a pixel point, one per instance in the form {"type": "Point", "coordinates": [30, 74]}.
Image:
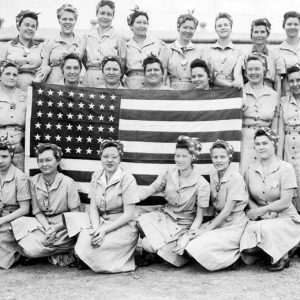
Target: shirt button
{"type": "Point", "coordinates": [293, 147]}
{"type": "Point", "coordinates": [293, 157]}
{"type": "Point", "coordinates": [263, 192]}
{"type": "Point", "coordinates": [176, 204]}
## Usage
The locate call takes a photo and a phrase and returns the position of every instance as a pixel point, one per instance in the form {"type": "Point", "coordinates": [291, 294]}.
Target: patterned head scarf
{"type": "Point", "coordinates": [67, 7]}
{"type": "Point", "coordinates": [194, 145]}
{"type": "Point", "coordinates": [115, 58]}
{"type": "Point", "coordinates": [261, 22]}
{"type": "Point", "coordinates": [136, 13]}
{"type": "Point", "coordinates": [272, 135]}
{"type": "Point", "coordinates": [228, 147]}
{"type": "Point", "coordinates": [187, 17]}
{"type": "Point", "coordinates": [40, 148]}
{"type": "Point", "coordinates": [25, 13]}
{"type": "Point", "coordinates": [112, 143]}
{"type": "Point", "coordinates": [8, 63]}
{"type": "Point", "coordinates": [5, 144]}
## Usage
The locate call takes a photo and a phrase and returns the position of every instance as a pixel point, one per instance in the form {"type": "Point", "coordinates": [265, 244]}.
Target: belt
{"type": "Point", "coordinates": [292, 131]}
{"type": "Point", "coordinates": [180, 79]}
{"type": "Point", "coordinates": [253, 126]}
{"type": "Point", "coordinates": [135, 73]}
{"type": "Point", "coordinates": [11, 127]}
{"type": "Point", "coordinates": [27, 71]}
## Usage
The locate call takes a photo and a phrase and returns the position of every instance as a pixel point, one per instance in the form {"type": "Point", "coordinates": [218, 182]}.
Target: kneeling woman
{"type": "Point", "coordinates": [186, 193]}
{"type": "Point", "coordinates": [52, 195]}
{"type": "Point", "coordinates": [109, 247]}
{"type": "Point", "coordinates": [274, 228]}
{"type": "Point", "coordinates": [14, 203]}
{"type": "Point", "coordinates": [217, 243]}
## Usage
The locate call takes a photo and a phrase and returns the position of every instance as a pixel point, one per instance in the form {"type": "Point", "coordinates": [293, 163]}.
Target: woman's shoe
{"type": "Point", "coordinates": [280, 265]}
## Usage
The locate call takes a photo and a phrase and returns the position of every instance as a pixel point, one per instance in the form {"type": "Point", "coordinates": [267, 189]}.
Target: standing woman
{"type": "Point", "coordinates": [187, 195]}
{"type": "Point", "coordinates": [14, 203]}
{"type": "Point", "coordinates": [104, 41]}
{"type": "Point", "coordinates": [139, 47]}
{"type": "Point", "coordinates": [201, 75]}
{"type": "Point", "coordinates": [65, 43]}
{"type": "Point", "coordinates": [289, 126]}
{"type": "Point", "coordinates": [260, 107]}
{"type": "Point", "coordinates": [53, 194]}
{"type": "Point", "coordinates": [274, 228]}
{"type": "Point", "coordinates": [260, 31]}
{"type": "Point", "coordinates": [12, 110]}
{"type": "Point", "coordinates": [216, 245]}
{"type": "Point", "coordinates": [290, 48]}
{"type": "Point", "coordinates": [178, 56]}
{"type": "Point", "coordinates": [110, 245]}
{"type": "Point", "coordinates": [24, 50]}
{"type": "Point", "coordinates": [112, 73]}
{"type": "Point", "coordinates": [223, 56]}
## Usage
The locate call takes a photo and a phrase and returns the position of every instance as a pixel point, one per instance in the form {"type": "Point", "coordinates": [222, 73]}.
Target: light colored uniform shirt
{"type": "Point", "coordinates": [289, 54]}
{"type": "Point", "coordinates": [61, 196]}
{"type": "Point", "coordinates": [110, 197]}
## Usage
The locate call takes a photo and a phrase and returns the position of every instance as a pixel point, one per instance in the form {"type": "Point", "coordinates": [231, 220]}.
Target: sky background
{"type": "Point", "coordinates": [162, 13]}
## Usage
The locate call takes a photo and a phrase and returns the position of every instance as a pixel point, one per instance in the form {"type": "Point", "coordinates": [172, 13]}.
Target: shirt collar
{"type": "Point", "coordinates": [226, 177]}
{"type": "Point", "coordinates": [178, 47]}
{"type": "Point", "coordinates": [10, 175]}
{"type": "Point", "coordinates": [59, 39]}
{"type": "Point", "coordinates": [147, 41]}
{"type": "Point", "coordinates": [111, 33]}
{"type": "Point", "coordinates": [292, 99]}
{"type": "Point", "coordinates": [217, 45]}
{"type": "Point", "coordinates": [264, 50]}
{"type": "Point", "coordinates": [16, 41]}
{"type": "Point", "coordinates": [257, 167]}
{"type": "Point", "coordinates": [114, 179]}
{"type": "Point", "coordinates": [249, 90]}
{"type": "Point", "coordinates": [285, 46]}
{"type": "Point", "coordinates": [40, 183]}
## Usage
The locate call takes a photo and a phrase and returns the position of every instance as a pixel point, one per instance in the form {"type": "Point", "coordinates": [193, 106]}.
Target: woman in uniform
{"type": "Point", "coordinates": [139, 47]}
{"type": "Point", "coordinates": [53, 194]}
{"type": "Point", "coordinates": [289, 126]}
{"type": "Point", "coordinates": [24, 50]}
{"type": "Point", "coordinates": [65, 43]}
{"type": "Point", "coordinates": [14, 203]}
{"type": "Point", "coordinates": [260, 107]}
{"type": "Point", "coordinates": [223, 57]}
{"type": "Point", "coordinates": [176, 58]}
{"type": "Point", "coordinates": [216, 244]}
{"type": "Point", "coordinates": [104, 41]}
{"type": "Point", "coordinates": [274, 228]}
{"type": "Point", "coordinates": [187, 195]}
{"type": "Point", "coordinates": [201, 76]}
{"type": "Point", "coordinates": [12, 110]}
{"type": "Point", "coordinates": [109, 245]}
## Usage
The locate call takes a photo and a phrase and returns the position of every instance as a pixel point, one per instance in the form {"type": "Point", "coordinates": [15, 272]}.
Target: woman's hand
{"type": "Point", "coordinates": [254, 213]}
{"type": "Point", "coordinates": [237, 84]}
{"type": "Point", "coordinates": [42, 73]}
{"type": "Point", "coordinates": [183, 242]}
{"type": "Point", "coordinates": [50, 236]}
{"type": "Point", "coordinates": [98, 236]}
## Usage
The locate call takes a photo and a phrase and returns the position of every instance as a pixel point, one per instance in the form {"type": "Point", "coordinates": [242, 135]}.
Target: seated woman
{"type": "Point", "coordinates": [52, 195]}
{"type": "Point", "coordinates": [71, 66]}
{"type": "Point", "coordinates": [109, 246]}
{"type": "Point", "coordinates": [14, 203]}
{"type": "Point", "coordinates": [216, 245]}
{"type": "Point", "coordinates": [274, 228]}
{"type": "Point", "coordinates": [201, 75]}
{"type": "Point", "coordinates": [112, 73]}
{"type": "Point", "coordinates": [12, 110]}
{"type": "Point", "coordinates": [186, 193]}
{"type": "Point", "coordinates": [154, 72]}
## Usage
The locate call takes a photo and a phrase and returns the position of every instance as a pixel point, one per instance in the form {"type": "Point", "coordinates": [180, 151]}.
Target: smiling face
{"type": "Point", "coordinates": [259, 35]}
{"type": "Point", "coordinates": [200, 78]}
{"type": "Point", "coordinates": [153, 74]}
{"type": "Point", "coordinates": [223, 28]}
{"type": "Point", "coordinates": [220, 159]}
{"type": "Point", "coordinates": [140, 26]}
{"type": "Point", "coordinates": [9, 77]}
{"type": "Point", "coordinates": [5, 160]}
{"type": "Point", "coordinates": [187, 30]}
{"type": "Point", "coordinates": [112, 73]}
{"type": "Point", "coordinates": [47, 162]}
{"type": "Point", "coordinates": [27, 28]}
{"type": "Point", "coordinates": [71, 71]}
{"type": "Point", "coordinates": [105, 16]}
{"type": "Point", "coordinates": [291, 27]}
{"type": "Point", "coordinates": [264, 147]}
{"type": "Point", "coordinates": [255, 71]}
{"type": "Point", "coordinates": [67, 22]}
{"type": "Point", "coordinates": [294, 82]}
{"type": "Point", "coordinates": [110, 159]}
{"type": "Point", "coordinates": [183, 159]}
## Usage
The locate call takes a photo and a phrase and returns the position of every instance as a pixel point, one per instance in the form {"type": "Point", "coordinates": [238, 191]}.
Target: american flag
{"type": "Point", "coordinates": [147, 122]}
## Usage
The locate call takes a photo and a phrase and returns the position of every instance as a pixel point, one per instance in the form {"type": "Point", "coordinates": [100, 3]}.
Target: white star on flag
{"type": "Point", "coordinates": [60, 93]}
{"type": "Point", "coordinates": [49, 114]}
{"type": "Point", "coordinates": [60, 115]}
{"type": "Point", "coordinates": [68, 150]}
{"type": "Point", "coordinates": [78, 150]}
{"type": "Point", "coordinates": [38, 125]}
{"type": "Point", "coordinates": [37, 136]}
{"type": "Point", "coordinates": [47, 137]}
{"type": "Point", "coordinates": [111, 129]}
{"type": "Point", "coordinates": [88, 151]}
{"type": "Point", "coordinates": [89, 139]}
{"type": "Point", "coordinates": [40, 91]}
{"type": "Point", "coordinates": [50, 103]}
{"type": "Point", "coordinates": [39, 113]}
{"type": "Point", "coordinates": [48, 126]}
{"type": "Point", "coordinates": [79, 127]}
{"type": "Point", "coordinates": [113, 97]}
{"type": "Point", "coordinates": [102, 96]}
{"type": "Point", "coordinates": [90, 117]}
{"type": "Point", "coordinates": [91, 105]}
{"type": "Point", "coordinates": [58, 138]}
{"type": "Point", "coordinates": [90, 128]}
{"type": "Point", "coordinates": [101, 106]}
{"type": "Point", "coordinates": [81, 95]}
{"type": "Point", "coordinates": [60, 104]}
{"type": "Point", "coordinates": [58, 126]}
{"type": "Point", "coordinates": [81, 105]}
{"type": "Point", "coordinates": [112, 107]}
{"type": "Point", "coordinates": [71, 94]}
{"type": "Point", "coordinates": [69, 127]}
{"type": "Point", "coordinates": [100, 140]}
{"type": "Point", "coordinates": [50, 92]}
{"type": "Point", "coordinates": [70, 104]}
{"type": "Point", "coordinates": [69, 138]}
{"type": "Point", "coordinates": [111, 119]}
{"type": "Point", "coordinates": [79, 116]}
{"type": "Point", "coordinates": [101, 118]}
{"type": "Point", "coordinates": [40, 103]}
{"type": "Point", "coordinates": [79, 139]}
{"type": "Point", "coordinates": [92, 96]}
{"type": "Point", "coordinates": [70, 116]}
{"type": "Point", "coordinates": [100, 129]}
